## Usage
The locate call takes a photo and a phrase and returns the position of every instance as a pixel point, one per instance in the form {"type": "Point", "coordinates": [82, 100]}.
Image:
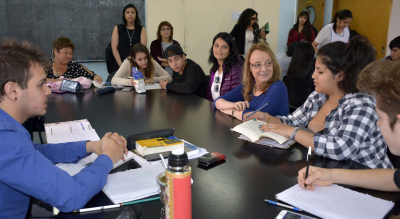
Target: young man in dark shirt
{"type": "Point", "coordinates": [383, 81]}
{"type": "Point", "coordinates": [188, 77]}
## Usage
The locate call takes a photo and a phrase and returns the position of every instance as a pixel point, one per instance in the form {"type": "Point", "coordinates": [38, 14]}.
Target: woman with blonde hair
{"type": "Point", "coordinates": [141, 59]}
{"type": "Point", "coordinates": [164, 39]}
{"type": "Point", "coordinates": [261, 86]}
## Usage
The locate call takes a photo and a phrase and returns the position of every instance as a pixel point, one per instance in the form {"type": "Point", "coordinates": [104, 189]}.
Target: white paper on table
{"type": "Point", "coordinates": [154, 86]}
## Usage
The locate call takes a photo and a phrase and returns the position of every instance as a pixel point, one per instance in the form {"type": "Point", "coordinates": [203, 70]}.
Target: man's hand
{"type": "Point", "coordinates": [114, 146]}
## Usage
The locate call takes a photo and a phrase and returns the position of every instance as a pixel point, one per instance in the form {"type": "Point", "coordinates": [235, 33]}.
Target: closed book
{"type": "Point", "coordinates": [158, 145]}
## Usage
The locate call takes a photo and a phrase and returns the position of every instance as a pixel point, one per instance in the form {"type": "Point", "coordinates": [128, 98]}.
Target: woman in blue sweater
{"type": "Point", "coordinates": [261, 85]}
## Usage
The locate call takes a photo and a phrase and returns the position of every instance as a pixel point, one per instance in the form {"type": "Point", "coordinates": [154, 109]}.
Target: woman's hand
{"type": "Point", "coordinates": [263, 35]}
{"type": "Point", "coordinates": [149, 81]}
{"type": "Point", "coordinates": [255, 115]}
{"type": "Point", "coordinates": [98, 79]}
{"type": "Point", "coordinates": [282, 129]}
{"type": "Point", "coordinates": [132, 82]}
{"type": "Point", "coordinates": [240, 106]}
{"type": "Point", "coordinates": [316, 177]}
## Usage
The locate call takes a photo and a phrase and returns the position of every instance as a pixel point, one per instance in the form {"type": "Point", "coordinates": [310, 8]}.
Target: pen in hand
{"type": "Point", "coordinates": [308, 165]}
{"type": "Point", "coordinates": [257, 110]}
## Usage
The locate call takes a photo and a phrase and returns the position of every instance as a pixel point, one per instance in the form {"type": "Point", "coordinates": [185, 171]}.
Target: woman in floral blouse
{"type": "Point", "coordinates": [61, 65]}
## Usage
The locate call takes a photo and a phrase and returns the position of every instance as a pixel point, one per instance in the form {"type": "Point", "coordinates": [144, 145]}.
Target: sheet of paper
{"type": "Point", "coordinates": [133, 184]}
{"type": "Point", "coordinates": [335, 202]}
{"type": "Point", "coordinates": [154, 86]}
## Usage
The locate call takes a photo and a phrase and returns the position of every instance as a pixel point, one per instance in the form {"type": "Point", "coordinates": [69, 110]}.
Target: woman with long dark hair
{"type": "Point", "coordinates": [246, 31]}
{"type": "Point", "coordinates": [126, 35]}
{"type": "Point", "coordinates": [226, 72]}
{"type": "Point", "coordinates": [141, 59]}
{"type": "Point", "coordinates": [303, 61]}
{"type": "Point", "coordinates": [302, 30]}
{"type": "Point", "coordinates": [342, 119]}
{"type": "Point", "coordinates": [337, 30]}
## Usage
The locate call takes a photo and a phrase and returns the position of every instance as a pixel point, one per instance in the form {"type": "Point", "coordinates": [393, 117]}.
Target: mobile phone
{"type": "Point", "coordinates": [291, 215]}
{"type": "Point", "coordinates": [127, 89]}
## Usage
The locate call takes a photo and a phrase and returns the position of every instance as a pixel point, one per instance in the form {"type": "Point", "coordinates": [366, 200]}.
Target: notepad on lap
{"type": "Point", "coordinates": [335, 202]}
{"type": "Point", "coordinates": [252, 130]}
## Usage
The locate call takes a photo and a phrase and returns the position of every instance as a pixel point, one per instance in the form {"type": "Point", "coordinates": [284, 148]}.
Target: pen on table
{"type": "Point", "coordinates": [308, 165]}
{"type": "Point", "coordinates": [257, 110]}
{"type": "Point", "coordinates": [282, 205]}
{"type": "Point", "coordinates": [116, 206]}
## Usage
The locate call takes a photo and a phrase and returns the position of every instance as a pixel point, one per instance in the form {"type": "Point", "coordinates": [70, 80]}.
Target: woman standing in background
{"type": "Point", "coordinates": [126, 35]}
{"type": "Point", "coordinates": [164, 39]}
{"type": "Point", "coordinates": [302, 30]}
{"type": "Point", "coordinates": [246, 31]}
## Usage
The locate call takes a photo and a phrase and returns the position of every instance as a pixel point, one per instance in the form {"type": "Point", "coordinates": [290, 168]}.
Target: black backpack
{"type": "Point", "coordinates": [109, 55]}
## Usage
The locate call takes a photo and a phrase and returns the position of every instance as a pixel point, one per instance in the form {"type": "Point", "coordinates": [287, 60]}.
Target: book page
{"type": "Point", "coordinates": [335, 202]}
{"type": "Point", "coordinates": [250, 129]}
{"type": "Point", "coordinates": [277, 137]}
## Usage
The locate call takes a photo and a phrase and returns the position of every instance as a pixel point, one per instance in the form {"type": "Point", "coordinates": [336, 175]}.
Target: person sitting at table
{"type": "Point", "coordinates": [226, 72]}
{"type": "Point", "coordinates": [188, 77]}
{"type": "Point", "coordinates": [381, 79]}
{"type": "Point", "coordinates": [61, 64]}
{"type": "Point", "coordinates": [27, 168]}
{"type": "Point", "coordinates": [302, 64]}
{"type": "Point", "coordinates": [342, 119]}
{"type": "Point", "coordinates": [126, 35]}
{"type": "Point", "coordinates": [394, 46]}
{"type": "Point", "coordinates": [164, 39]}
{"type": "Point", "coordinates": [140, 58]}
{"type": "Point", "coordinates": [261, 85]}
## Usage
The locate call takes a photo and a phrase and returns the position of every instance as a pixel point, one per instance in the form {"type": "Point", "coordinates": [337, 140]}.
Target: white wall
{"type": "Point", "coordinates": [287, 16]}
{"type": "Point", "coordinates": [394, 24]}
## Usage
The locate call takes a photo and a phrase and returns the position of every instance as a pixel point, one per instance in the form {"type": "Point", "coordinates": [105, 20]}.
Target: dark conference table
{"type": "Point", "coordinates": [233, 189]}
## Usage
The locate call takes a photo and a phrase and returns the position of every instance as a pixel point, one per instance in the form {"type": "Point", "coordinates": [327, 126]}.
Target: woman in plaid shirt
{"type": "Point", "coordinates": [342, 119]}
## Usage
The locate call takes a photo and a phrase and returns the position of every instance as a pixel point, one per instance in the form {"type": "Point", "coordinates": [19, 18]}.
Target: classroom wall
{"type": "Point", "coordinates": [287, 19]}
{"type": "Point", "coordinates": [394, 24]}
{"type": "Point", "coordinates": [328, 12]}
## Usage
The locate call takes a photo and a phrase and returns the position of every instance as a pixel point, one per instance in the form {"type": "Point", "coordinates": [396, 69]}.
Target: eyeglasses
{"type": "Point", "coordinates": [259, 66]}
{"type": "Point", "coordinates": [216, 88]}
{"type": "Point", "coordinates": [165, 29]}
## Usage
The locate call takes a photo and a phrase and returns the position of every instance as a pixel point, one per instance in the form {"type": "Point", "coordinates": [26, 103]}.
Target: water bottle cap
{"type": "Point", "coordinates": [177, 151]}
{"type": "Point", "coordinates": [178, 158]}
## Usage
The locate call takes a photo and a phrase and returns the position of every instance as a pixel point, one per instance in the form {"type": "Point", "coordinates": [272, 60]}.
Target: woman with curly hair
{"type": "Point", "coordinates": [246, 31]}
{"type": "Point", "coordinates": [261, 86]}
{"type": "Point", "coordinates": [226, 72]}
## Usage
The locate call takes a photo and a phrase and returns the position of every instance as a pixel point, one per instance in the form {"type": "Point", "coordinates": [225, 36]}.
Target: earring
{"type": "Point", "coordinates": [15, 99]}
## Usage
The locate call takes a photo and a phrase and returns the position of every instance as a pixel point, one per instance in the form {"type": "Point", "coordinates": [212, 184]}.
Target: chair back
{"type": "Point", "coordinates": [298, 91]}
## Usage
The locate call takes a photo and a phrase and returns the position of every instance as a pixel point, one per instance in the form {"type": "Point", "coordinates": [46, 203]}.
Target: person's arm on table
{"type": "Point", "coordinates": [162, 74]}
{"type": "Point", "coordinates": [232, 100]}
{"type": "Point", "coordinates": [121, 76]}
{"type": "Point", "coordinates": [190, 85]}
{"type": "Point", "coordinates": [377, 179]}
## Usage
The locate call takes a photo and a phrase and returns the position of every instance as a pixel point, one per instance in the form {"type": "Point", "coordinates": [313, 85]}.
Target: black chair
{"type": "Point", "coordinates": [35, 124]}
{"type": "Point", "coordinates": [298, 91]}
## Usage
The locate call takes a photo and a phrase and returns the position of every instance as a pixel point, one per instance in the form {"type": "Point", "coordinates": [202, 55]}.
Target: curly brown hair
{"type": "Point", "coordinates": [63, 42]}
{"type": "Point", "coordinates": [382, 79]}
{"type": "Point", "coordinates": [248, 78]}
{"type": "Point", "coordinates": [165, 23]}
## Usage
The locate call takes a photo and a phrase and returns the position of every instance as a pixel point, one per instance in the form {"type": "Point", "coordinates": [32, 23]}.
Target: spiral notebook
{"type": "Point", "coordinates": [133, 184]}
{"type": "Point", "coordinates": [335, 202]}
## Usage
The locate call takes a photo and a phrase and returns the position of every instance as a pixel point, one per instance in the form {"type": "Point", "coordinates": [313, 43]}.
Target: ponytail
{"type": "Point", "coordinates": [342, 15]}
{"type": "Point", "coordinates": [349, 58]}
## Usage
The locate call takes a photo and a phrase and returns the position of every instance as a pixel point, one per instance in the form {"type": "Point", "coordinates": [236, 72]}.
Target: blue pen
{"type": "Point", "coordinates": [282, 205]}
{"type": "Point", "coordinates": [82, 126]}
{"type": "Point", "coordinates": [257, 110]}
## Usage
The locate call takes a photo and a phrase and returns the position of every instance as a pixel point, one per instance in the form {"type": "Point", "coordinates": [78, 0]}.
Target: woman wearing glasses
{"type": "Point", "coordinates": [342, 120]}
{"type": "Point", "coordinates": [261, 87]}
{"type": "Point", "coordinates": [226, 72]}
{"type": "Point", "coordinates": [164, 39]}
{"type": "Point", "coordinates": [246, 31]}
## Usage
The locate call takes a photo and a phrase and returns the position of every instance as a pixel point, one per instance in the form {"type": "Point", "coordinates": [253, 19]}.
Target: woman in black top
{"type": "Point", "coordinates": [303, 62]}
{"type": "Point", "coordinates": [126, 35]}
{"type": "Point", "coordinates": [61, 64]}
{"type": "Point", "coordinates": [246, 31]}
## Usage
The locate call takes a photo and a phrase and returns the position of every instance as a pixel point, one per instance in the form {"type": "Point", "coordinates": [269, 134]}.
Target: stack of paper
{"type": "Point", "coordinates": [78, 130]}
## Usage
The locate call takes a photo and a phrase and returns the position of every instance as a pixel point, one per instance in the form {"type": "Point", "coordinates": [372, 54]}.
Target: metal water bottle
{"type": "Point", "coordinates": [178, 188]}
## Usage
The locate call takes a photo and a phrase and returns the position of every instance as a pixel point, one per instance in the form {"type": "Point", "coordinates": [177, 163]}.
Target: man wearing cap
{"type": "Point", "coordinates": [188, 77]}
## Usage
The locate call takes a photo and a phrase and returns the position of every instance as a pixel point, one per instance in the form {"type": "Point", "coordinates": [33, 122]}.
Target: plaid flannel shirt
{"type": "Point", "coordinates": [350, 130]}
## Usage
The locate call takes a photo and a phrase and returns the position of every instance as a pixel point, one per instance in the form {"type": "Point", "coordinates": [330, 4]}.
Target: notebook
{"type": "Point", "coordinates": [133, 184]}
{"type": "Point", "coordinates": [335, 202]}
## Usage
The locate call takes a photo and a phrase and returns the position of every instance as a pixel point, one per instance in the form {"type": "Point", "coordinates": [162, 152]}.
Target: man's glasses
{"type": "Point", "coordinates": [259, 65]}
{"type": "Point", "coordinates": [216, 88]}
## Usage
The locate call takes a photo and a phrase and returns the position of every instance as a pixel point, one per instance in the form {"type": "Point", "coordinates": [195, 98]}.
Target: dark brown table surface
{"type": "Point", "coordinates": [234, 189]}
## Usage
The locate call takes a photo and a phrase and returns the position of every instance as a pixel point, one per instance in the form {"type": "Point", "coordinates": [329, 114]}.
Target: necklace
{"type": "Point", "coordinates": [56, 74]}
{"type": "Point", "coordinates": [130, 37]}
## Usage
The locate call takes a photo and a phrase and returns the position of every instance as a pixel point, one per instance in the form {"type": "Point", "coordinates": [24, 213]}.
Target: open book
{"type": "Point", "coordinates": [251, 130]}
